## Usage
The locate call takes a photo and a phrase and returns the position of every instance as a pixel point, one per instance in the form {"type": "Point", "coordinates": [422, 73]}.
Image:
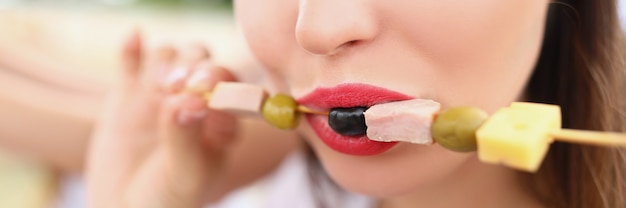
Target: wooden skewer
{"type": "Point", "coordinates": [300, 108]}
{"type": "Point", "coordinates": [590, 137]}
{"type": "Point", "coordinates": [207, 96]}
{"type": "Point", "coordinates": [304, 109]}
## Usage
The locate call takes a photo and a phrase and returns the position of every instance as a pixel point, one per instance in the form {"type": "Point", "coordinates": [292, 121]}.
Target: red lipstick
{"type": "Point", "coordinates": [347, 96]}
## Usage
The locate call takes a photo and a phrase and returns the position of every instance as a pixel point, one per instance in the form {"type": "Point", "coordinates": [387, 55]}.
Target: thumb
{"type": "Point", "coordinates": [186, 162]}
{"type": "Point", "coordinates": [180, 169]}
{"type": "Point", "coordinates": [190, 166]}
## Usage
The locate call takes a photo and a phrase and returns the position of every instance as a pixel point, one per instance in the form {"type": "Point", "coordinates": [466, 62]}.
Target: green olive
{"type": "Point", "coordinates": [280, 111]}
{"type": "Point", "coordinates": [455, 128]}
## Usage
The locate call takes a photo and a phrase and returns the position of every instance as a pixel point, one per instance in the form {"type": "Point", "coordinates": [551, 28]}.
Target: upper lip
{"type": "Point", "coordinates": [350, 95]}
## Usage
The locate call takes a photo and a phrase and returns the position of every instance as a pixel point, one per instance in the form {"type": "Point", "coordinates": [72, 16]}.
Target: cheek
{"type": "Point", "coordinates": [465, 32]}
{"type": "Point", "coordinates": [268, 27]}
{"type": "Point", "coordinates": [484, 50]}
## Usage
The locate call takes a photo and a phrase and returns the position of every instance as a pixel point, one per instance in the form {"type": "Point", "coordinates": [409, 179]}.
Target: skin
{"type": "Point", "coordinates": [58, 104]}
{"type": "Point", "coordinates": [173, 152]}
{"type": "Point", "coordinates": [156, 143]}
{"type": "Point", "coordinates": [141, 129]}
{"type": "Point", "coordinates": [441, 50]}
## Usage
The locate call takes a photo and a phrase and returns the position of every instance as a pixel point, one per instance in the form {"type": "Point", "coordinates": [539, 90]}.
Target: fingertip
{"type": "Point", "coordinates": [175, 80]}
{"type": "Point", "coordinates": [199, 51]}
{"type": "Point", "coordinates": [133, 43]}
{"type": "Point", "coordinates": [222, 74]}
{"type": "Point", "coordinates": [221, 130]}
{"type": "Point", "coordinates": [206, 75]}
{"type": "Point", "coordinates": [183, 111]}
{"type": "Point", "coordinates": [132, 52]}
{"type": "Point", "coordinates": [166, 54]}
{"type": "Point", "coordinates": [189, 117]}
{"type": "Point", "coordinates": [200, 80]}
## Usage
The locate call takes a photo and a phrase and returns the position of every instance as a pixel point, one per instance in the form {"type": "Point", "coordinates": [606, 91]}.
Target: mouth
{"type": "Point", "coordinates": [347, 96]}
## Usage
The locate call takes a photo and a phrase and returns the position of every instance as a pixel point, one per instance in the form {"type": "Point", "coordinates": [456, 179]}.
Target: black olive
{"type": "Point", "coordinates": [348, 121]}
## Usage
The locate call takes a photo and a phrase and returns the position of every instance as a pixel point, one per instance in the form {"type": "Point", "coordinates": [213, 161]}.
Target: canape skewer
{"type": "Point", "coordinates": [518, 136]}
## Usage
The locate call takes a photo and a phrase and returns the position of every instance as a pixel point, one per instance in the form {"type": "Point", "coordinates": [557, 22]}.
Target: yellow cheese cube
{"type": "Point", "coordinates": [518, 136]}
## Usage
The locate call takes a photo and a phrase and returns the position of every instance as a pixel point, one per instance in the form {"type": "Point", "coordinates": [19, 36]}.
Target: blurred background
{"type": "Point", "coordinates": [57, 58]}
{"type": "Point", "coordinates": [87, 31]}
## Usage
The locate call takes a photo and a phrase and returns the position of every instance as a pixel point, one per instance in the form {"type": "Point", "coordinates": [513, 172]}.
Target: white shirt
{"type": "Point", "coordinates": [290, 187]}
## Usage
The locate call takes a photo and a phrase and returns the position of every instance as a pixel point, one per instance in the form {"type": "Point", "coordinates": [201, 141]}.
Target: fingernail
{"type": "Point", "coordinates": [175, 78]}
{"type": "Point", "coordinates": [198, 82]}
{"type": "Point", "coordinates": [186, 117]}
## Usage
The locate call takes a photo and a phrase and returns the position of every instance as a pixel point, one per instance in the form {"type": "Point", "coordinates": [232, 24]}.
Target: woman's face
{"type": "Point", "coordinates": [477, 53]}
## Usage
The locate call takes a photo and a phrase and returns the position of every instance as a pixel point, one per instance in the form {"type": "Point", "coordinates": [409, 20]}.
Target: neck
{"type": "Point", "coordinates": [474, 185]}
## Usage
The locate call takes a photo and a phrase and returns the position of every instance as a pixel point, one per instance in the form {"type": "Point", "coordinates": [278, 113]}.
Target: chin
{"type": "Point", "coordinates": [381, 188]}
{"type": "Point", "coordinates": [404, 169]}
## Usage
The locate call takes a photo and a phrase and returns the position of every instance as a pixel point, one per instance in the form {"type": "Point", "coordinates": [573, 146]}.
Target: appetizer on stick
{"type": "Point", "coordinates": [517, 136]}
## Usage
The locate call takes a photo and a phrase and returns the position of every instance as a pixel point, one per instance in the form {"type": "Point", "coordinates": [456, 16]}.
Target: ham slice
{"type": "Point", "coordinates": [238, 98]}
{"type": "Point", "coordinates": [405, 121]}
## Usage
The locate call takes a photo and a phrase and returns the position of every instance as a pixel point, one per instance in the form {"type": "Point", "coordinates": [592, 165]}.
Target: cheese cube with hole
{"type": "Point", "coordinates": [238, 98]}
{"type": "Point", "coordinates": [518, 136]}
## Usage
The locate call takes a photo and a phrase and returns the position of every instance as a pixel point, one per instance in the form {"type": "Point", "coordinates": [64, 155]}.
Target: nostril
{"type": "Point", "coordinates": [323, 28]}
{"type": "Point", "coordinates": [343, 47]}
{"type": "Point", "coordinates": [349, 43]}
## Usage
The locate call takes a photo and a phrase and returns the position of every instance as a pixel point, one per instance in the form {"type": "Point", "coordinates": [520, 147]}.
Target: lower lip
{"type": "Point", "coordinates": [361, 145]}
{"type": "Point", "coordinates": [345, 96]}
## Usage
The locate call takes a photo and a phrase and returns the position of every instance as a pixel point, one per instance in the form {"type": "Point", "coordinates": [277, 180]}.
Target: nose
{"type": "Point", "coordinates": [324, 27]}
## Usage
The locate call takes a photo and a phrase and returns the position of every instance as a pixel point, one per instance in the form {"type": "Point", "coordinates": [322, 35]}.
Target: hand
{"type": "Point", "coordinates": [157, 145]}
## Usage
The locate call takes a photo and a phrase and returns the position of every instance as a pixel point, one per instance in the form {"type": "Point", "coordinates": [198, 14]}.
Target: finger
{"type": "Point", "coordinates": [143, 101]}
{"type": "Point", "coordinates": [187, 159]}
{"type": "Point", "coordinates": [206, 75]}
{"type": "Point", "coordinates": [219, 130]}
{"type": "Point", "coordinates": [132, 55]}
{"type": "Point", "coordinates": [165, 54]}
{"type": "Point", "coordinates": [174, 81]}
{"type": "Point", "coordinates": [158, 65]}
{"type": "Point", "coordinates": [193, 53]}
{"type": "Point", "coordinates": [203, 80]}
{"type": "Point", "coordinates": [196, 52]}
{"type": "Point", "coordinates": [186, 64]}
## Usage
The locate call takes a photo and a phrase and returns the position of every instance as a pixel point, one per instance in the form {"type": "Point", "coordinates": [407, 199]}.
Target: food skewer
{"type": "Point", "coordinates": [518, 136]}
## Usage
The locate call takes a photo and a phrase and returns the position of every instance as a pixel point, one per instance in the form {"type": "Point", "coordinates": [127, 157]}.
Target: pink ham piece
{"type": "Point", "coordinates": [404, 121]}
{"type": "Point", "coordinates": [238, 98]}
